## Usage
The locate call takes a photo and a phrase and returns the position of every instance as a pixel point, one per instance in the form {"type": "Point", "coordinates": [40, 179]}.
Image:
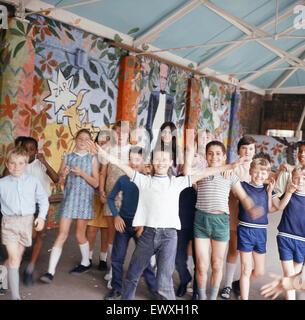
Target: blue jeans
{"type": "Point", "coordinates": [118, 255]}
{"type": "Point", "coordinates": [184, 236]}
{"type": "Point", "coordinates": [163, 243]}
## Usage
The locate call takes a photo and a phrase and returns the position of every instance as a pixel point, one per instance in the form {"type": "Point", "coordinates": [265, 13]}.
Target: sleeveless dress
{"type": "Point", "coordinates": [78, 198]}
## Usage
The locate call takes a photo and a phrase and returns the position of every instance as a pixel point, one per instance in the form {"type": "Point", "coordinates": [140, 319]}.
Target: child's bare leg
{"type": "Point", "coordinates": [288, 270]}
{"type": "Point", "coordinates": [80, 234]}
{"type": "Point", "coordinates": [15, 252]}
{"type": "Point", "coordinates": [259, 265]}
{"type": "Point", "coordinates": [202, 248]}
{"type": "Point", "coordinates": [217, 260]}
{"type": "Point", "coordinates": [91, 233]}
{"type": "Point", "coordinates": [232, 254]}
{"type": "Point", "coordinates": [246, 271]}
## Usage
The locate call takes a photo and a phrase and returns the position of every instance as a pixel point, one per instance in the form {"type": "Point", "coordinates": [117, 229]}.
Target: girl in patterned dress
{"type": "Point", "coordinates": [80, 170]}
{"type": "Point", "coordinates": [110, 174]}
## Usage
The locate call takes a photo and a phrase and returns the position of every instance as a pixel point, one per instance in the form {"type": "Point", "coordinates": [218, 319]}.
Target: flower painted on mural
{"type": "Point", "coordinates": [37, 86]}
{"type": "Point", "coordinates": [48, 63]}
{"type": "Point", "coordinates": [61, 138]}
{"type": "Point", "coordinates": [42, 28]}
{"type": "Point", "coordinates": [3, 151]}
{"type": "Point", "coordinates": [277, 149]}
{"type": "Point", "coordinates": [26, 113]}
{"type": "Point", "coordinates": [90, 45]}
{"type": "Point", "coordinates": [8, 108]}
{"type": "Point", "coordinates": [263, 147]}
{"type": "Point", "coordinates": [44, 145]}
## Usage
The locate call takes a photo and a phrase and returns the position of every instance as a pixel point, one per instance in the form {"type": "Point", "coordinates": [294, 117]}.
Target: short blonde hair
{"type": "Point", "coordinates": [261, 163]}
{"type": "Point", "coordinates": [298, 169]}
{"type": "Point", "coordinates": [17, 151]}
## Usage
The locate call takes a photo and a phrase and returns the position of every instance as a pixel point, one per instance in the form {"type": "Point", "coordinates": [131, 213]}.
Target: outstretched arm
{"type": "Point", "coordinates": [273, 202]}
{"type": "Point", "coordinates": [95, 148]}
{"type": "Point", "coordinates": [289, 191]}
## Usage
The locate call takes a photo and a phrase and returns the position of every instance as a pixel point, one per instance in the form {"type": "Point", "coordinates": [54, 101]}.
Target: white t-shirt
{"type": "Point", "coordinates": [40, 171]}
{"type": "Point", "coordinates": [158, 205]}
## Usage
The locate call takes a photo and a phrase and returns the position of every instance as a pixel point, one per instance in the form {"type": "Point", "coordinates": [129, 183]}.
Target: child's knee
{"type": "Point", "coordinates": [246, 270]}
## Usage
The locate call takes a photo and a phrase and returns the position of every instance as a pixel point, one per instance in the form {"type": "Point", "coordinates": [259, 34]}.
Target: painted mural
{"type": "Point", "coordinates": [57, 79]}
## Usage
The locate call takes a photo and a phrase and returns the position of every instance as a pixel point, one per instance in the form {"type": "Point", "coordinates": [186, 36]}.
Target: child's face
{"type": "Point", "coordinates": [136, 161]}
{"type": "Point", "coordinates": [301, 155]}
{"type": "Point", "coordinates": [258, 175]}
{"type": "Point", "coordinates": [103, 139]}
{"type": "Point", "coordinates": [215, 156]}
{"type": "Point", "coordinates": [166, 135]}
{"type": "Point", "coordinates": [81, 141]}
{"type": "Point", "coordinates": [247, 150]}
{"type": "Point", "coordinates": [298, 179]}
{"type": "Point", "coordinates": [16, 165]}
{"type": "Point", "coordinates": [161, 162]}
{"type": "Point", "coordinates": [31, 149]}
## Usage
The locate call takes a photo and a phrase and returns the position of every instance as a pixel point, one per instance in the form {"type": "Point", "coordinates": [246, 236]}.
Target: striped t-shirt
{"type": "Point", "coordinates": [213, 193]}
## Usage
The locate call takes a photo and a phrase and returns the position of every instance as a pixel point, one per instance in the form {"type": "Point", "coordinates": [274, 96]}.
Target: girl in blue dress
{"type": "Point", "coordinates": [80, 170]}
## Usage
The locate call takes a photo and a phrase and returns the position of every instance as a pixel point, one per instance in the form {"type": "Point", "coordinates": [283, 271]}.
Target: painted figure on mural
{"type": "Point", "coordinates": [217, 114]}
{"type": "Point", "coordinates": [160, 106]}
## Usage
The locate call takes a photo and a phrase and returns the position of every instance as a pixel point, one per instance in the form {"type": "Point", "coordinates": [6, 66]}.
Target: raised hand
{"type": "Point", "coordinates": [240, 161]}
{"type": "Point", "coordinates": [271, 185]}
{"type": "Point", "coordinates": [291, 188]}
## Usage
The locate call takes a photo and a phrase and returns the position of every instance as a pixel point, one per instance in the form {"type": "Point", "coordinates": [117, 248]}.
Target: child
{"type": "Point", "coordinates": [291, 228]}
{"type": "Point", "coordinates": [80, 169]}
{"type": "Point", "coordinates": [39, 167]}
{"type": "Point", "coordinates": [252, 234]}
{"type": "Point", "coordinates": [19, 192]}
{"type": "Point", "coordinates": [100, 221]}
{"type": "Point", "coordinates": [245, 147]}
{"type": "Point", "coordinates": [108, 177]}
{"type": "Point", "coordinates": [211, 224]}
{"type": "Point", "coordinates": [158, 212]}
{"type": "Point", "coordinates": [123, 225]}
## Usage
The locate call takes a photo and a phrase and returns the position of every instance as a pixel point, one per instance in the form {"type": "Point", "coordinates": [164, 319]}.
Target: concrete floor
{"type": "Point", "coordinates": [92, 286]}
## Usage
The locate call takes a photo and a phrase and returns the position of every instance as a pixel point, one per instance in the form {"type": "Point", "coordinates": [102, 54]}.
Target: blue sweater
{"type": "Point", "coordinates": [130, 198]}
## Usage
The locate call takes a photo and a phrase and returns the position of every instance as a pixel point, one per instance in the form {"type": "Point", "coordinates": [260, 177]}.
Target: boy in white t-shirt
{"type": "Point", "coordinates": [157, 219]}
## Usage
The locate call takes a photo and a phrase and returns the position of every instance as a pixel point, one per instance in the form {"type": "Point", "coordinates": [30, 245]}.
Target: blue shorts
{"type": "Point", "coordinates": [291, 249]}
{"type": "Point", "coordinates": [251, 239]}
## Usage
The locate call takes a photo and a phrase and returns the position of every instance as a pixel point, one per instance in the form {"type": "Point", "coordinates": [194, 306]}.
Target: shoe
{"type": "Point", "coordinates": [108, 276]}
{"type": "Point", "coordinates": [46, 278]}
{"type": "Point", "coordinates": [102, 266]}
{"type": "Point", "coordinates": [90, 260]}
{"type": "Point", "coordinates": [2, 291]}
{"type": "Point", "coordinates": [181, 291]}
{"type": "Point", "coordinates": [195, 296]}
{"type": "Point", "coordinates": [80, 269]}
{"type": "Point", "coordinates": [28, 278]}
{"type": "Point", "coordinates": [236, 287]}
{"type": "Point", "coordinates": [225, 293]}
{"type": "Point", "coordinates": [113, 294]}
{"type": "Point", "coordinates": [109, 285]}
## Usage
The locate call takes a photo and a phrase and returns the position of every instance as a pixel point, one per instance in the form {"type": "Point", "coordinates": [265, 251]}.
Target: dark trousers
{"type": "Point", "coordinates": [184, 236]}
{"type": "Point", "coordinates": [120, 245]}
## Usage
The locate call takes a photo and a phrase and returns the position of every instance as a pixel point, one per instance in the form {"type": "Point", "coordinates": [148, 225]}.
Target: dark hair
{"type": "Point", "coordinates": [164, 147]}
{"type": "Point", "coordinates": [245, 141]}
{"type": "Point", "coordinates": [216, 143]}
{"type": "Point", "coordinates": [29, 140]}
{"type": "Point", "coordinates": [262, 155]}
{"type": "Point", "coordinates": [301, 143]}
{"type": "Point", "coordinates": [19, 140]}
{"type": "Point", "coordinates": [106, 132]}
{"type": "Point", "coordinates": [137, 150]}
{"type": "Point", "coordinates": [83, 131]}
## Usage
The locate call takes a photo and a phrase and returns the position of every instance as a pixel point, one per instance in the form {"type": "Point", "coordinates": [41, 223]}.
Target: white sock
{"type": "Point", "coordinates": [110, 250]}
{"type": "Point", "coordinates": [190, 263]}
{"type": "Point", "coordinates": [13, 281]}
{"type": "Point", "coordinates": [202, 293]}
{"type": "Point", "coordinates": [84, 249]}
{"type": "Point", "coordinates": [213, 292]}
{"type": "Point", "coordinates": [103, 256]}
{"type": "Point", "coordinates": [54, 258]}
{"type": "Point", "coordinates": [90, 254]}
{"type": "Point", "coordinates": [230, 270]}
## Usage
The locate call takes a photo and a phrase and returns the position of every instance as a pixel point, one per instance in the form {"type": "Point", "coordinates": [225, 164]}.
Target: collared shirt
{"type": "Point", "coordinates": [18, 196]}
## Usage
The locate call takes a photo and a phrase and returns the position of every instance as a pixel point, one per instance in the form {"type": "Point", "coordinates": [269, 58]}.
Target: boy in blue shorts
{"type": "Point", "coordinates": [123, 225]}
{"type": "Point", "coordinates": [252, 233]}
{"type": "Point", "coordinates": [291, 236]}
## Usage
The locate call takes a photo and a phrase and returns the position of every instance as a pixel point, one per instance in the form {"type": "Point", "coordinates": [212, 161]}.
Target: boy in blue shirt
{"type": "Point", "coordinates": [252, 233]}
{"type": "Point", "coordinates": [19, 192]}
{"type": "Point", "coordinates": [123, 225]}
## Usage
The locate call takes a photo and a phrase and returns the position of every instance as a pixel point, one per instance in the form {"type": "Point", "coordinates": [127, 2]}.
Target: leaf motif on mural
{"type": "Point", "coordinates": [8, 109]}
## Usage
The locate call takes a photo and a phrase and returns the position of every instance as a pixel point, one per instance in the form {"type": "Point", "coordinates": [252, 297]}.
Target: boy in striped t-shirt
{"type": "Point", "coordinates": [211, 224]}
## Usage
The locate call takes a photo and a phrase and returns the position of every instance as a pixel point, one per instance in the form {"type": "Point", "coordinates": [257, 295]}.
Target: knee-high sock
{"type": "Point", "coordinates": [202, 293]}
{"type": "Point", "coordinates": [230, 270]}
{"type": "Point", "coordinates": [84, 249]}
{"type": "Point", "coordinates": [214, 292]}
{"type": "Point", "coordinates": [13, 281]}
{"type": "Point", "coordinates": [54, 258]}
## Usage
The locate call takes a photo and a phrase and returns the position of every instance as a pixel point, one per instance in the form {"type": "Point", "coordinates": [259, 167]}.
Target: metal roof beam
{"type": "Point", "coordinates": [165, 22]}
